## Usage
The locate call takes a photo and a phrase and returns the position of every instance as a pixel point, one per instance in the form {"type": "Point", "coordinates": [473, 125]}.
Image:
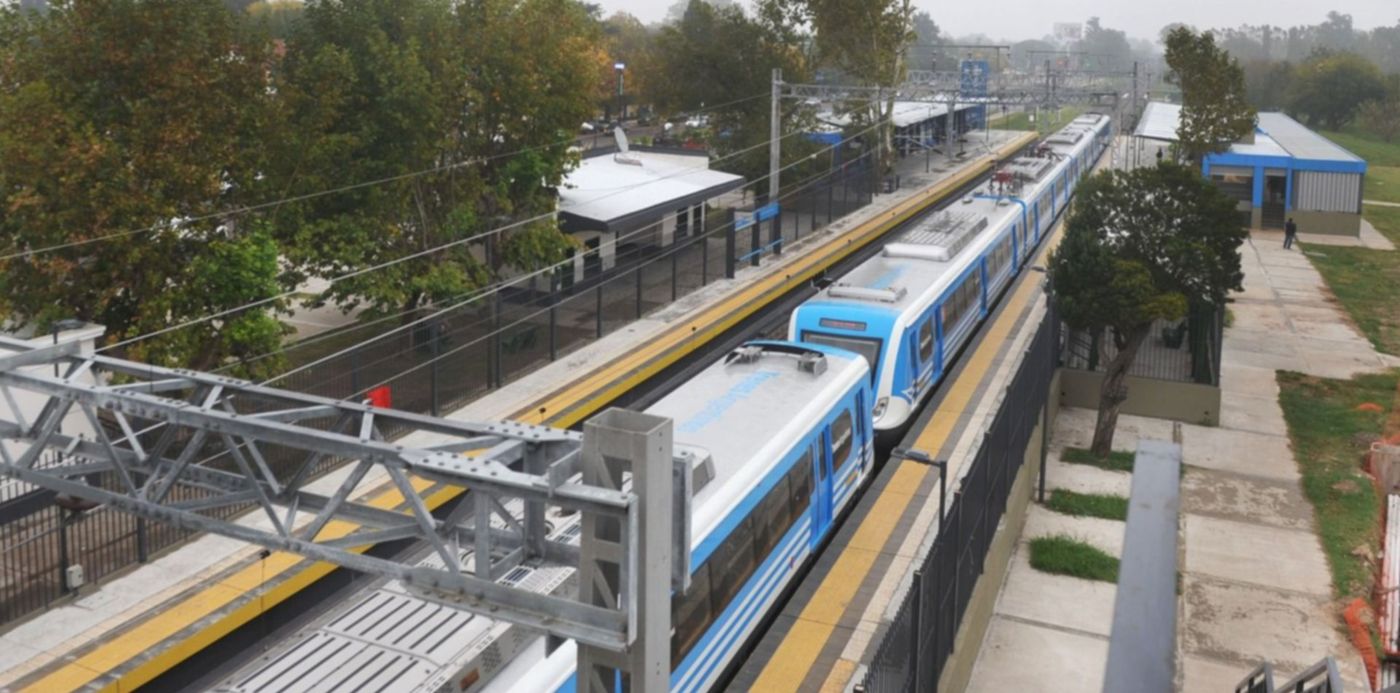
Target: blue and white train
{"type": "Point", "coordinates": [911, 308]}
{"type": "Point", "coordinates": [781, 435]}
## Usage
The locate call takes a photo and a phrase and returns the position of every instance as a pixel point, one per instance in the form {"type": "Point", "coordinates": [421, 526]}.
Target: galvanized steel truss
{"type": "Point", "coordinates": [158, 429]}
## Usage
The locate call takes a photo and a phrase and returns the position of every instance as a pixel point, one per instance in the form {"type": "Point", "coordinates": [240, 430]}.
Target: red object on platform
{"type": "Point", "coordinates": [381, 397]}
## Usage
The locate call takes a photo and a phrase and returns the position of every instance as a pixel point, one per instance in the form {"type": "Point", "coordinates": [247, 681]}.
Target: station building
{"type": "Point", "coordinates": [645, 197]}
{"type": "Point", "coordinates": [917, 124]}
{"type": "Point", "coordinates": [1285, 170]}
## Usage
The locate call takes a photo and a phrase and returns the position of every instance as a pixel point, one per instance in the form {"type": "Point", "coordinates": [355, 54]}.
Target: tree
{"type": "Point", "coordinates": [1214, 109]}
{"type": "Point", "coordinates": [277, 16]}
{"type": "Point", "coordinates": [869, 41]}
{"type": "Point", "coordinates": [483, 96]}
{"type": "Point", "coordinates": [1140, 247]}
{"type": "Point", "coordinates": [1381, 115]}
{"type": "Point", "coordinates": [1330, 87]}
{"type": "Point", "coordinates": [1267, 82]}
{"type": "Point", "coordinates": [140, 123]}
{"type": "Point", "coordinates": [1105, 49]}
{"type": "Point", "coordinates": [676, 12]}
{"type": "Point", "coordinates": [722, 57]}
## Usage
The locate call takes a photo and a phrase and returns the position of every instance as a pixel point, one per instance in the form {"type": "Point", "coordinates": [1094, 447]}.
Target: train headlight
{"type": "Point", "coordinates": [880, 406]}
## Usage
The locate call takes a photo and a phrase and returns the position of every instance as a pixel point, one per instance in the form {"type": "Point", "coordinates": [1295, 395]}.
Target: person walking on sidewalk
{"type": "Point", "coordinates": [1290, 233]}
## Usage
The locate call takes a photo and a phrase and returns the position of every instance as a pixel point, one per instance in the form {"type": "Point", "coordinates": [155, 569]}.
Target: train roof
{"type": "Point", "coordinates": [752, 406]}
{"type": "Point", "coordinates": [915, 267]}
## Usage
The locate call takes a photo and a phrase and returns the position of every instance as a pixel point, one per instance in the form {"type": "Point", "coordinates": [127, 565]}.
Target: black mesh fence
{"type": "Point", "coordinates": [915, 646]}
{"type": "Point", "coordinates": [1186, 350]}
{"type": "Point", "coordinates": [431, 362]}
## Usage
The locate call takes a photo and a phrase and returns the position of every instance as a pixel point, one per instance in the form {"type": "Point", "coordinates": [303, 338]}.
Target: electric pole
{"type": "Point", "coordinates": [775, 134]}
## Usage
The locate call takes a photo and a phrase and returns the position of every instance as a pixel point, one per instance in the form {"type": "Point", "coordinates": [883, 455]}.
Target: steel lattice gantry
{"type": "Point", "coordinates": [172, 445]}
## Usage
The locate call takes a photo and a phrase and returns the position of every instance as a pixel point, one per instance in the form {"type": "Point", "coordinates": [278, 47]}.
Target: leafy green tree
{"type": "Point", "coordinates": [278, 17]}
{"type": "Point", "coordinates": [484, 95]}
{"type": "Point", "coordinates": [1139, 247]}
{"type": "Point", "coordinates": [1381, 115]}
{"type": "Point", "coordinates": [1329, 88]}
{"type": "Point", "coordinates": [1215, 111]}
{"type": "Point", "coordinates": [139, 123]}
{"type": "Point", "coordinates": [722, 56]}
{"type": "Point", "coordinates": [1267, 82]}
{"type": "Point", "coordinates": [869, 41]}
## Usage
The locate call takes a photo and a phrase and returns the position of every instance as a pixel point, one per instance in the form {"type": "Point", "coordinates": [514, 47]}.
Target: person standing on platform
{"type": "Point", "coordinates": [1290, 233]}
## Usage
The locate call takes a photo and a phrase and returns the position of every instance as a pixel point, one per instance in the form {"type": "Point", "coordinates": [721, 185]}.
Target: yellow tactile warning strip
{"type": "Point", "coordinates": [799, 649]}
{"type": "Point", "coordinates": [173, 631]}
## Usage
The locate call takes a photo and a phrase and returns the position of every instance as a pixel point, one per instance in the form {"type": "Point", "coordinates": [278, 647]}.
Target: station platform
{"type": "Point", "coordinates": [127, 631]}
{"type": "Point", "coordinates": [833, 622]}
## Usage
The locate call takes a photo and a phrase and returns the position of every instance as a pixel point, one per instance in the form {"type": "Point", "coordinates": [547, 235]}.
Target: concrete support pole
{"type": "Point", "coordinates": [1133, 125]}
{"type": "Point", "coordinates": [775, 134]}
{"type": "Point", "coordinates": [615, 443]}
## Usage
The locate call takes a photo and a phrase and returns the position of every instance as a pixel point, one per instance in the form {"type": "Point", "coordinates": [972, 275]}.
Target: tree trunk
{"type": "Point", "coordinates": [1114, 392]}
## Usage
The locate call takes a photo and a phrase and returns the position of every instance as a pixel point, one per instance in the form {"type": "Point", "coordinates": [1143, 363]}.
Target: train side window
{"type": "Point", "coordinates": [842, 439]}
{"type": "Point", "coordinates": [690, 614]}
{"type": "Point", "coordinates": [926, 341]}
{"type": "Point", "coordinates": [731, 565]}
{"type": "Point", "coordinates": [772, 517]}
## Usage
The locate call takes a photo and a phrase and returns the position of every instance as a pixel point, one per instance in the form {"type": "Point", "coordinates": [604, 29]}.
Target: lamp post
{"type": "Point", "coordinates": [621, 107]}
{"type": "Point", "coordinates": [922, 457]}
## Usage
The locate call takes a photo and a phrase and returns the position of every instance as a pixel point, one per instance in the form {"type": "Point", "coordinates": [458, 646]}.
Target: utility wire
{"type": "Point", "coordinates": [422, 253]}
{"type": "Point", "coordinates": [237, 211]}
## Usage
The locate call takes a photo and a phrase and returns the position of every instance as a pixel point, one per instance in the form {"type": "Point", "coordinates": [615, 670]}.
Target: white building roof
{"type": "Point", "coordinates": [1276, 135]}
{"type": "Point", "coordinates": [605, 189]}
{"type": "Point", "coordinates": [905, 113]}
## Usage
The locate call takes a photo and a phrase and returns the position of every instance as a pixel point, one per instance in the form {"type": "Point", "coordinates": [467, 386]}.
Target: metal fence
{"type": "Point", "coordinates": [914, 649]}
{"type": "Point", "coordinates": [430, 368]}
{"type": "Point", "coordinates": [1185, 350]}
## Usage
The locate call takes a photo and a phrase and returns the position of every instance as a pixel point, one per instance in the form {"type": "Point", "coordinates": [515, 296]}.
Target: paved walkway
{"type": "Point", "coordinates": [1378, 203]}
{"type": "Point", "coordinates": [1255, 582]}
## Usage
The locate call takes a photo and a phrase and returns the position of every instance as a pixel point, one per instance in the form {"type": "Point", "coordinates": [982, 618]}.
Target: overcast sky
{"type": "Point", "coordinates": [1022, 19]}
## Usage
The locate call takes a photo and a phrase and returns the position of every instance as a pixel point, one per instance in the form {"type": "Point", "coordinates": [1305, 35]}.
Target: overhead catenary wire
{"type": "Point", "coordinates": [541, 311]}
{"type": "Point", "coordinates": [246, 209]}
{"type": "Point", "coordinates": [807, 183]}
{"type": "Point", "coordinates": [422, 253]}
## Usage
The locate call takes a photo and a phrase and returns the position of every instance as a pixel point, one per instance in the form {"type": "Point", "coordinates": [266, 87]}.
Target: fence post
{"type": "Point", "coordinates": [142, 550]}
{"type": "Point", "coordinates": [916, 625]}
{"type": "Point", "coordinates": [435, 335]}
{"type": "Point", "coordinates": [756, 244]}
{"type": "Point", "coordinates": [496, 340]}
{"type": "Point", "coordinates": [598, 314]}
{"type": "Point", "coordinates": [729, 252]}
{"type": "Point", "coordinates": [675, 270]}
{"type": "Point", "coordinates": [62, 551]}
{"type": "Point", "coordinates": [553, 326]}
{"type": "Point", "coordinates": [704, 257]}
{"type": "Point", "coordinates": [639, 291]}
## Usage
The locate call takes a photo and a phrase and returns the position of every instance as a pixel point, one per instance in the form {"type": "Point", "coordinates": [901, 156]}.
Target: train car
{"type": "Point", "coordinates": [780, 437]}
{"type": "Point", "coordinates": [909, 310]}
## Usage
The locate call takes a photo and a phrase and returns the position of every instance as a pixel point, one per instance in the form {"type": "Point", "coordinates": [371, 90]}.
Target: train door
{"type": "Point", "coordinates": [821, 489]}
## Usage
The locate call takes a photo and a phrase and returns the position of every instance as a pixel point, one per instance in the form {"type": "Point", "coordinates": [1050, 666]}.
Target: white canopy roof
{"type": "Point", "coordinates": [607, 189]}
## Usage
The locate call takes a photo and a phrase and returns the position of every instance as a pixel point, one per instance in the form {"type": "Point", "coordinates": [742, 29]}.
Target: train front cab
{"type": "Point", "coordinates": [859, 329]}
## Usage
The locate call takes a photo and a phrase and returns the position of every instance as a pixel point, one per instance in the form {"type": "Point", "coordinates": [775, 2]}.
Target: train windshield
{"type": "Point", "coordinates": [867, 348]}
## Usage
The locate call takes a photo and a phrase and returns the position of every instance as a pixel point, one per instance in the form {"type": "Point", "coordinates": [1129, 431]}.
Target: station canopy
{"type": "Point", "coordinates": [1275, 136]}
{"type": "Point", "coordinates": [620, 192]}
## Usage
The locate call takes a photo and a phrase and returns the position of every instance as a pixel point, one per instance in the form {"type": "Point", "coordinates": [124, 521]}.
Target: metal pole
{"type": "Point", "coordinates": [1135, 94]}
{"type": "Point", "coordinates": [775, 134]}
{"type": "Point", "coordinates": [434, 332]}
{"type": "Point", "coordinates": [617, 442]}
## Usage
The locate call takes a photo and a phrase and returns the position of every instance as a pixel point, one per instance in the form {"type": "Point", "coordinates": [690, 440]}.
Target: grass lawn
{"type": "Point", "coordinates": [1329, 436]}
{"type": "Point", "coordinates": [1367, 282]}
{"type": "Point", "coordinates": [1117, 461]}
{"type": "Point", "coordinates": [1022, 121]}
{"type": "Point", "coordinates": [1064, 555]}
{"type": "Point", "coordinates": [1374, 150]}
{"type": "Point", "coordinates": [1106, 506]}
{"type": "Point", "coordinates": [1382, 183]}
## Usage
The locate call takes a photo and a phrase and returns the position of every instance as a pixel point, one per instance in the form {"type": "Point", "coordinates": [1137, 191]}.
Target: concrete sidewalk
{"type": "Point", "coordinates": [1255, 584]}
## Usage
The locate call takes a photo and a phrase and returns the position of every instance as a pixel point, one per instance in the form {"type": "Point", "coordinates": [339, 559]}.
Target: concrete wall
{"type": "Point", "coordinates": [1164, 399]}
{"type": "Point", "coordinates": [973, 630]}
{"type": "Point", "coordinates": [1330, 223]}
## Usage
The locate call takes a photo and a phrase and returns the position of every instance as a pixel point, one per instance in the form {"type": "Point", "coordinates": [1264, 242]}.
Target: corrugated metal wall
{"type": "Point", "coordinates": [1328, 192]}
